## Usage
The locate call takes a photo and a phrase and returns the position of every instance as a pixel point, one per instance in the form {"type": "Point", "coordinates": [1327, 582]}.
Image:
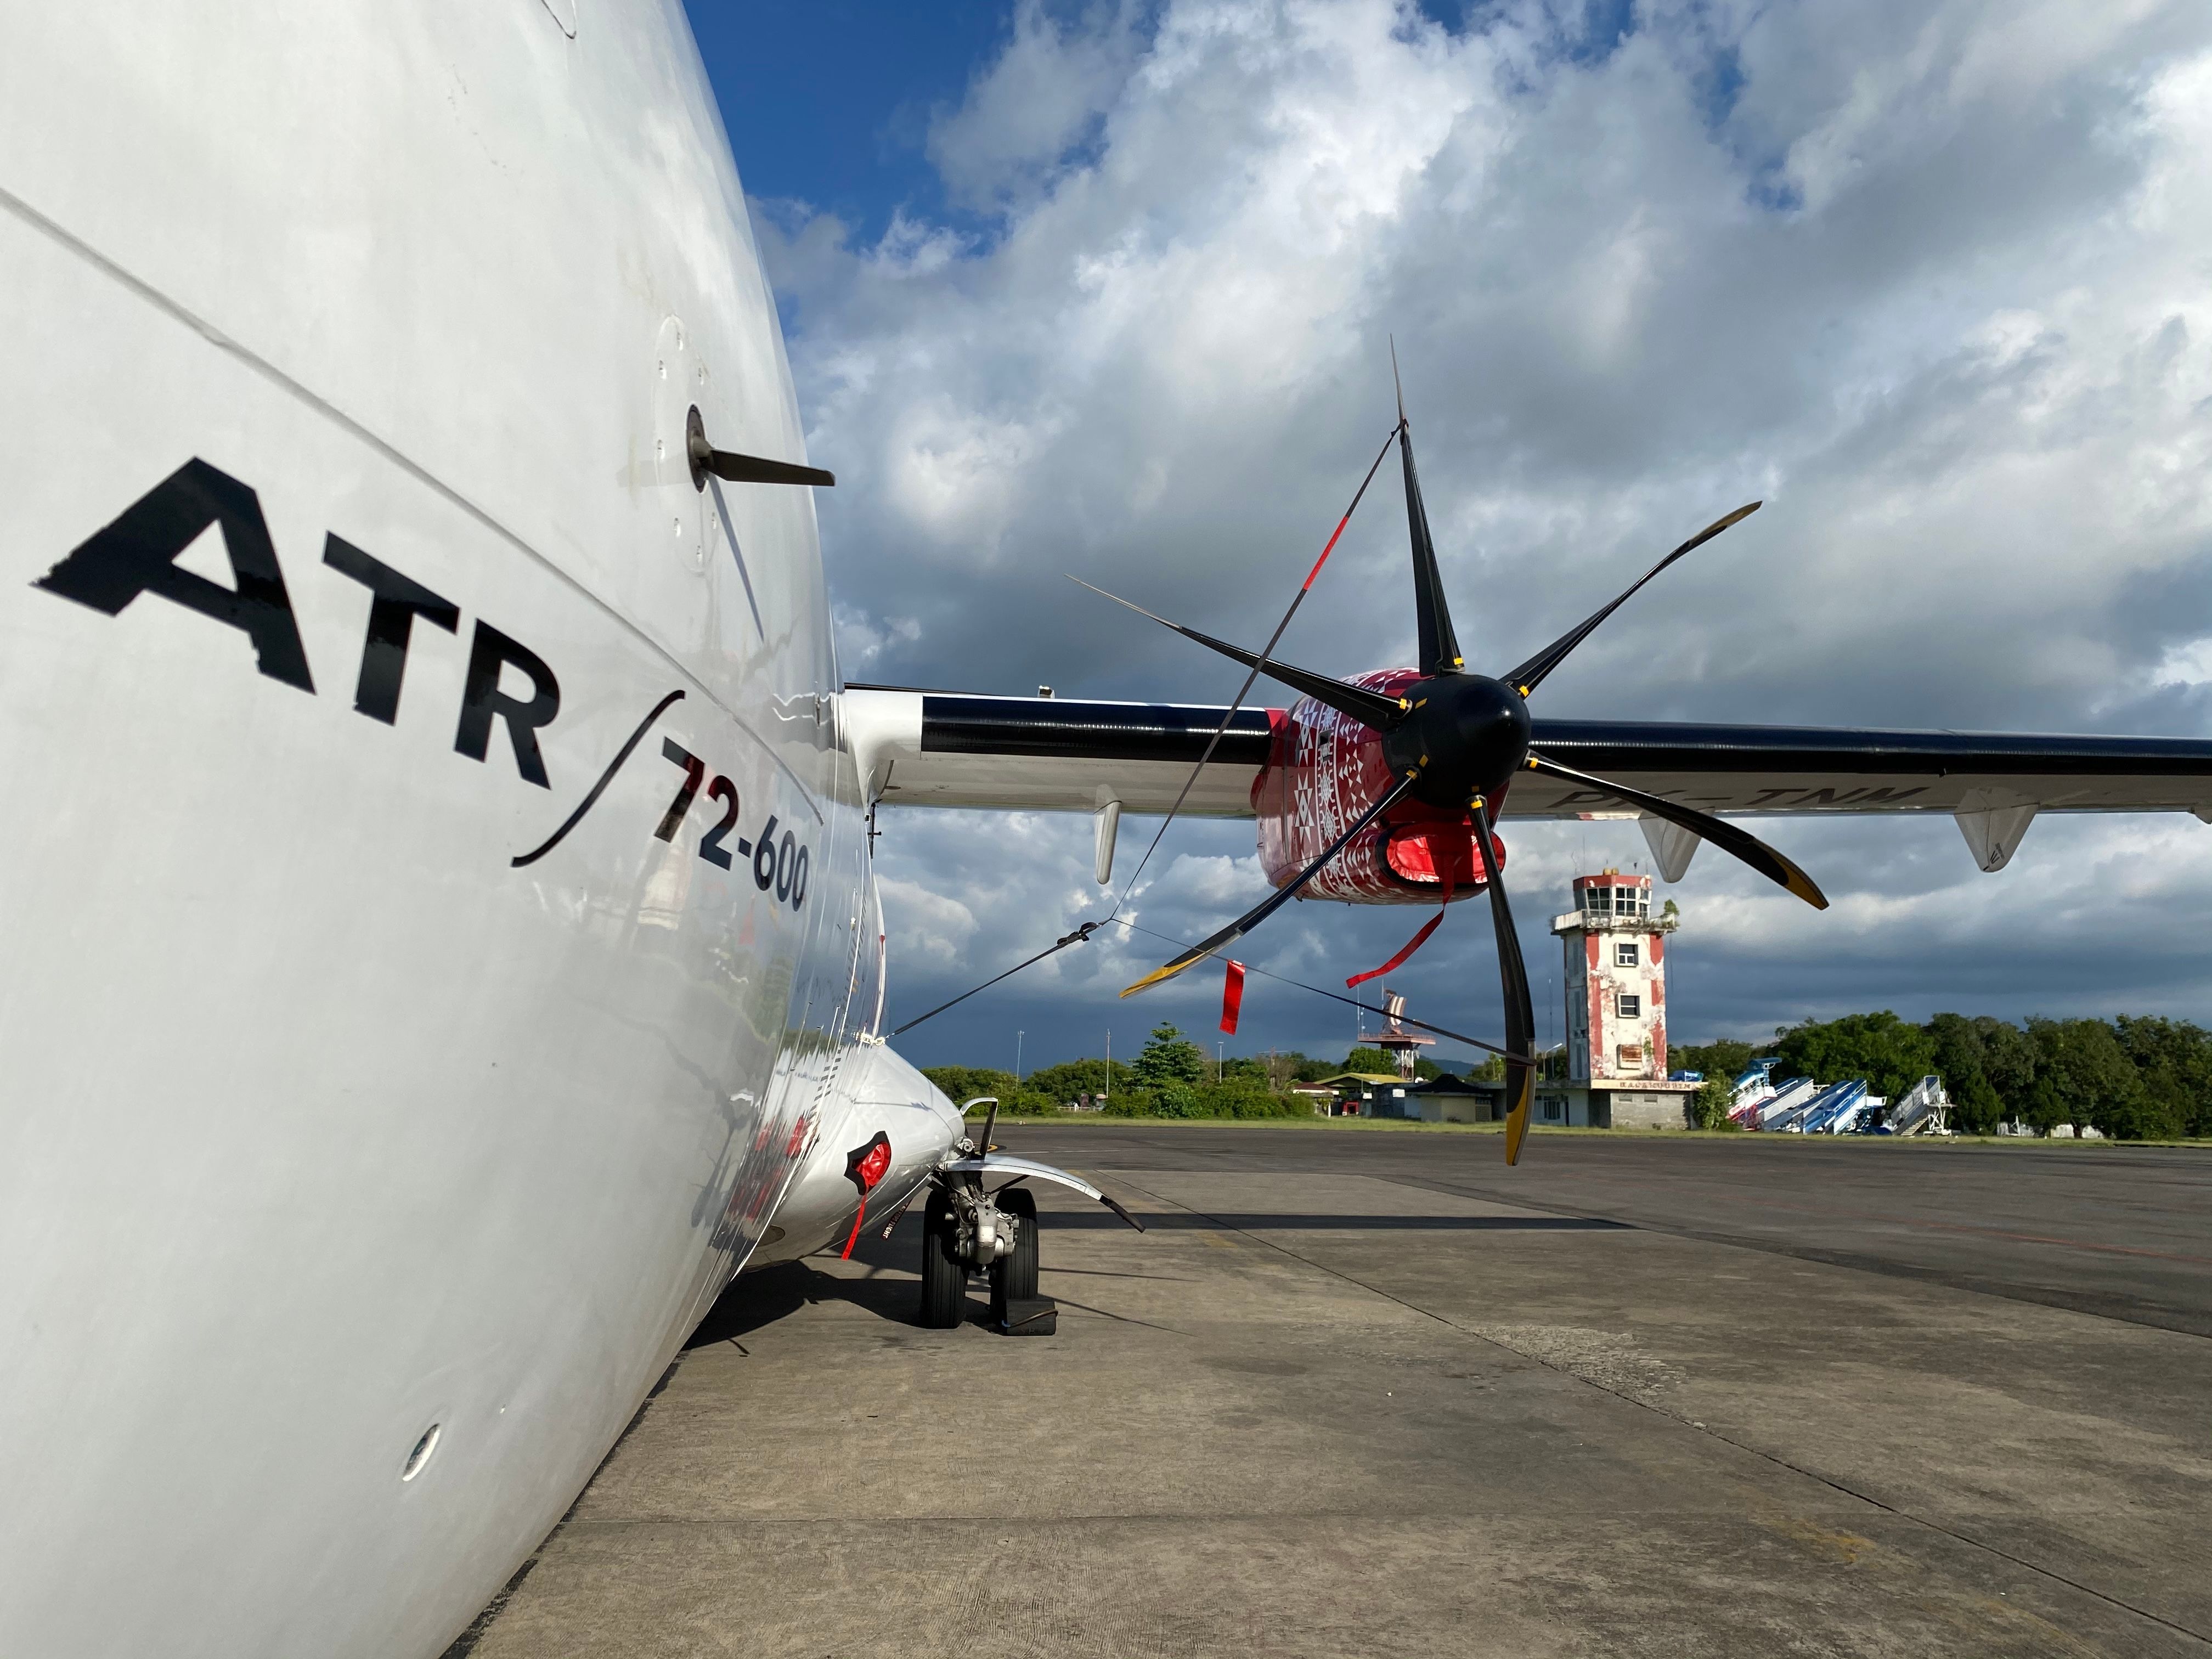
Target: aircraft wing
{"type": "Point", "coordinates": [1785, 768]}
{"type": "Point", "coordinates": [1049, 754]}
{"type": "Point", "coordinates": [919, 748]}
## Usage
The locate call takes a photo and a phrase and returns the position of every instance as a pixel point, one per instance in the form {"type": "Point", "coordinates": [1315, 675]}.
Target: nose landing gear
{"type": "Point", "coordinates": [966, 1229]}
{"type": "Point", "coordinates": [997, 1234]}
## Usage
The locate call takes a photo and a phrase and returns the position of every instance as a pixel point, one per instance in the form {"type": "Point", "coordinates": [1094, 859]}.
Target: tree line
{"type": "Point", "coordinates": [1172, 1077]}
{"type": "Point", "coordinates": [2134, 1077]}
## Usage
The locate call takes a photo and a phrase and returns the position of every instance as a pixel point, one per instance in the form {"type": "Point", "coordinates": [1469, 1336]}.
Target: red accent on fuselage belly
{"type": "Point", "coordinates": [1324, 769]}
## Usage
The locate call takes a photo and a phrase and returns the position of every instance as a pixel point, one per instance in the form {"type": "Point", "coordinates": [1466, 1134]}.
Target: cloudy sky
{"type": "Point", "coordinates": [1107, 289]}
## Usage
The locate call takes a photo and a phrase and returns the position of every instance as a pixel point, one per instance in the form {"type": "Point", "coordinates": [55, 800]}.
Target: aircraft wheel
{"type": "Point", "coordinates": [1014, 1275]}
{"type": "Point", "coordinates": [944, 1275]}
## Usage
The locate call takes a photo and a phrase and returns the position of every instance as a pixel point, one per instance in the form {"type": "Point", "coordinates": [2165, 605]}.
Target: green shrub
{"type": "Point", "coordinates": [1215, 1101]}
{"type": "Point", "coordinates": [1078, 1077]}
{"type": "Point", "coordinates": [1708, 1108]}
{"type": "Point", "coordinates": [1174, 1100]}
{"type": "Point", "coordinates": [1238, 1099]}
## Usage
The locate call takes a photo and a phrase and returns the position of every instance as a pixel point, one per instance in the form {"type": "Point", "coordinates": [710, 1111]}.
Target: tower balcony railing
{"type": "Point", "coordinates": [1610, 921]}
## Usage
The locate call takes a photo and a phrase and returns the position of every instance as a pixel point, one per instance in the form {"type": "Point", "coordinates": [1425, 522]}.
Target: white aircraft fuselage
{"type": "Point", "coordinates": [360, 1171]}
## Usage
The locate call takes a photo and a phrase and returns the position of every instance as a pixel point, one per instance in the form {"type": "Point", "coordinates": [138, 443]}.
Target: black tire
{"type": "Point", "coordinates": [1014, 1275]}
{"type": "Point", "coordinates": [944, 1275]}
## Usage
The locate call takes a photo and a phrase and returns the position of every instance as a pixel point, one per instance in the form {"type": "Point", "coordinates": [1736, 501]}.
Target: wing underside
{"type": "Point", "coordinates": [920, 748]}
{"type": "Point", "coordinates": [1051, 754]}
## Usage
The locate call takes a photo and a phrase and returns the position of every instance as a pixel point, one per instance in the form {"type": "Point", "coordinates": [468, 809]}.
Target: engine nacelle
{"type": "Point", "coordinates": [1324, 769]}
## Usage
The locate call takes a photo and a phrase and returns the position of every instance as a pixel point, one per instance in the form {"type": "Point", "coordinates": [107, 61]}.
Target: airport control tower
{"type": "Point", "coordinates": [1616, 983]}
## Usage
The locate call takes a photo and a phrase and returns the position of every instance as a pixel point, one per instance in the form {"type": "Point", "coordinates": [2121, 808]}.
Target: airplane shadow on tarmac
{"type": "Point", "coordinates": [756, 1299]}
{"type": "Point", "coordinates": [892, 1293]}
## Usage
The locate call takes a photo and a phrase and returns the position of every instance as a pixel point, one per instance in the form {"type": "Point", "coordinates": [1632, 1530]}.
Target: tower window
{"type": "Point", "coordinates": [1623, 953]}
{"type": "Point", "coordinates": [1628, 1007]}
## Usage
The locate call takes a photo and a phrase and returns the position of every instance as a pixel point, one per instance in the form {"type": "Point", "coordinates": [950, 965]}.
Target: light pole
{"type": "Point", "coordinates": [1018, 1059]}
{"type": "Point", "coordinates": [1107, 1088]}
{"type": "Point", "coordinates": [1219, 1049]}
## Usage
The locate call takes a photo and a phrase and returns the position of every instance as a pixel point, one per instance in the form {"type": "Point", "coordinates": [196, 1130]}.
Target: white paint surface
{"type": "Point", "coordinates": [323, 1123]}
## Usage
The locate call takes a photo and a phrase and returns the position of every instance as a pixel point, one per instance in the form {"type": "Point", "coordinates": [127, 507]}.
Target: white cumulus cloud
{"type": "Point", "coordinates": [1930, 279]}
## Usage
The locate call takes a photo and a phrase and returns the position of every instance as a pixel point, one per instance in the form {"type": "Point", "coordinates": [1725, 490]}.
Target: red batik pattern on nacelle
{"type": "Point", "coordinates": [1324, 769]}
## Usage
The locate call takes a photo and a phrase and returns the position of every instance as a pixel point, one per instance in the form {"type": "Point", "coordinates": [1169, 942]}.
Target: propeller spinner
{"type": "Point", "coordinates": [1456, 741]}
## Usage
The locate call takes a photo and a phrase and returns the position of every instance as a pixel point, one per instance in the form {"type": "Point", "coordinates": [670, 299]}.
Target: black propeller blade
{"type": "Point", "coordinates": [1513, 975]}
{"type": "Point", "coordinates": [733, 468]}
{"type": "Point", "coordinates": [1275, 901]}
{"type": "Point", "coordinates": [1439, 645]}
{"type": "Point", "coordinates": [1459, 737]}
{"type": "Point", "coordinates": [1368, 707]}
{"type": "Point", "coordinates": [1530, 674]}
{"type": "Point", "coordinates": [1719, 831]}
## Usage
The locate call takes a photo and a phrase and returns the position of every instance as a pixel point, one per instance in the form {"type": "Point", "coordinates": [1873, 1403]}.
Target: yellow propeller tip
{"type": "Point", "coordinates": [1152, 979]}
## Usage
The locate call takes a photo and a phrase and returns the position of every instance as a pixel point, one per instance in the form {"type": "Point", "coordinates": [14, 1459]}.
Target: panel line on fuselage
{"type": "Point", "coordinates": [269, 371]}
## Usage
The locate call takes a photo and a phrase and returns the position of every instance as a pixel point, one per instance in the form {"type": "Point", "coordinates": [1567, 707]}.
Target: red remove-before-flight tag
{"type": "Point", "coordinates": [1232, 996]}
{"type": "Point", "coordinates": [1399, 961]}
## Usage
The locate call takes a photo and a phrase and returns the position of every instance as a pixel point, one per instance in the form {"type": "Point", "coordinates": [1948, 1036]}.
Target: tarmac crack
{"type": "Point", "coordinates": [1763, 1456]}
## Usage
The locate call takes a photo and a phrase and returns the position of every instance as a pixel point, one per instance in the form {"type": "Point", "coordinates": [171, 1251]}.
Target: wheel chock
{"type": "Point", "coordinates": [1028, 1316]}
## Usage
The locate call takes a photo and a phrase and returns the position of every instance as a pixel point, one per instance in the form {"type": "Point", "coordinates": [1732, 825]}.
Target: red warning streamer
{"type": "Point", "coordinates": [1412, 945]}
{"type": "Point", "coordinates": [1232, 996]}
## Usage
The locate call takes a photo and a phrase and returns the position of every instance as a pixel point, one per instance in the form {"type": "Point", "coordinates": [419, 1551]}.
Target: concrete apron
{"type": "Point", "coordinates": [1334, 1414]}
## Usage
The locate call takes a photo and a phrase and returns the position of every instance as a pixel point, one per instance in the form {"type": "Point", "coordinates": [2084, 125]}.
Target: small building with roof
{"type": "Point", "coordinates": [1365, 1094]}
